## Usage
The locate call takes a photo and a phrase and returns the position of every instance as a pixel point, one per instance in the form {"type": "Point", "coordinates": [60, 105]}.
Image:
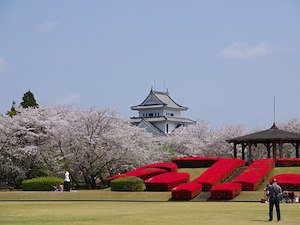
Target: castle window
{"type": "Point", "coordinates": [172, 114]}
{"type": "Point", "coordinates": [150, 114]}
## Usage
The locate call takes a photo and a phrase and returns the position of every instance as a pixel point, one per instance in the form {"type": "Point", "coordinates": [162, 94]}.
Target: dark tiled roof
{"type": "Point", "coordinates": [272, 134]}
{"type": "Point", "coordinates": [162, 119]}
{"type": "Point", "coordinates": [163, 100]}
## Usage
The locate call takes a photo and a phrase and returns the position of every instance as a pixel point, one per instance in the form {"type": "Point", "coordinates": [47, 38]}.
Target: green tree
{"type": "Point", "coordinates": [12, 111]}
{"type": "Point", "coordinates": [29, 100]}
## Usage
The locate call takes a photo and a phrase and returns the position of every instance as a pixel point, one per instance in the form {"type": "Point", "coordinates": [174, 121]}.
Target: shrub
{"type": "Point", "coordinates": [255, 174]}
{"type": "Point", "coordinates": [288, 182]}
{"type": "Point", "coordinates": [186, 191]}
{"type": "Point", "coordinates": [195, 162]}
{"type": "Point", "coordinates": [286, 162]}
{"type": "Point", "coordinates": [226, 191]}
{"type": "Point", "coordinates": [41, 183]}
{"type": "Point", "coordinates": [218, 173]}
{"type": "Point", "coordinates": [127, 184]}
{"type": "Point", "coordinates": [166, 181]}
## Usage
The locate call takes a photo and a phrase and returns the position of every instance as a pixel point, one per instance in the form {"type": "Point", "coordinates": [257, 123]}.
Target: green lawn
{"type": "Point", "coordinates": [141, 213]}
{"type": "Point", "coordinates": [144, 213]}
{"type": "Point", "coordinates": [194, 172]}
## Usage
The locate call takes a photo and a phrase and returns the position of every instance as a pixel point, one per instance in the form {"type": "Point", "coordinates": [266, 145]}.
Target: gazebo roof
{"type": "Point", "coordinates": [270, 135]}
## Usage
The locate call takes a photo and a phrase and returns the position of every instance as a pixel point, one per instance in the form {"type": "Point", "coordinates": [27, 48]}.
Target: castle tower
{"type": "Point", "coordinates": [159, 114]}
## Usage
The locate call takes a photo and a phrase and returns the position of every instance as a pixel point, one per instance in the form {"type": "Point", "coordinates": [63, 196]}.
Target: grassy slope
{"type": "Point", "coordinates": [106, 194]}
{"type": "Point", "coordinates": [156, 213]}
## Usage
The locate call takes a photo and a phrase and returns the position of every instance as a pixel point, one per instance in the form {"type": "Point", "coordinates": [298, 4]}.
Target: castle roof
{"type": "Point", "coordinates": [158, 99]}
{"type": "Point", "coordinates": [186, 121]}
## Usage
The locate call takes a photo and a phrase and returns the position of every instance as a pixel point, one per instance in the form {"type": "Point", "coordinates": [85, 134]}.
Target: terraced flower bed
{"type": "Point", "coordinates": [195, 162]}
{"type": "Point", "coordinates": [226, 191]}
{"type": "Point", "coordinates": [166, 181]}
{"type": "Point", "coordinates": [255, 174]}
{"type": "Point", "coordinates": [288, 182]}
{"type": "Point", "coordinates": [148, 171]}
{"type": "Point", "coordinates": [186, 191]}
{"type": "Point", "coordinates": [218, 173]}
{"type": "Point", "coordinates": [287, 162]}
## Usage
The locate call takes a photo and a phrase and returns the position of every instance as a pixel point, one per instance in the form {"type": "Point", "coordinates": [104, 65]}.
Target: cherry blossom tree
{"type": "Point", "coordinates": [99, 143]}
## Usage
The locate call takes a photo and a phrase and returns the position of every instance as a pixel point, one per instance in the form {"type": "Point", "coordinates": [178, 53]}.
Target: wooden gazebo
{"type": "Point", "coordinates": [270, 138]}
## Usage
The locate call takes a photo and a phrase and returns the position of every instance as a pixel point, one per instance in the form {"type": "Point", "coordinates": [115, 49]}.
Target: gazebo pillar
{"type": "Point", "coordinates": [268, 146]}
{"type": "Point", "coordinates": [274, 150]}
{"type": "Point", "coordinates": [243, 150]}
{"type": "Point", "coordinates": [249, 161]}
{"type": "Point", "coordinates": [297, 150]}
{"type": "Point", "coordinates": [280, 149]}
{"type": "Point", "coordinates": [234, 151]}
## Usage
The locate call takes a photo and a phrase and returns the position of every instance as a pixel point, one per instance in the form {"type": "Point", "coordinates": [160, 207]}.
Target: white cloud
{"type": "Point", "coordinates": [67, 99]}
{"type": "Point", "coordinates": [48, 26]}
{"type": "Point", "coordinates": [3, 65]}
{"type": "Point", "coordinates": [245, 51]}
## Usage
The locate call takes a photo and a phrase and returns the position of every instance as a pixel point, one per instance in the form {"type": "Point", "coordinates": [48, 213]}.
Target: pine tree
{"type": "Point", "coordinates": [13, 107]}
{"type": "Point", "coordinates": [29, 100]}
{"type": "Point", "coordinates": [12, 111]}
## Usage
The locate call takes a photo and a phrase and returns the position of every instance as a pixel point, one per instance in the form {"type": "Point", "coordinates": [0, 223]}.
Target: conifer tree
{"type": "Point", "coordinates": [12, 111]}
{"type": "Point", "coordinates": [29, 100]}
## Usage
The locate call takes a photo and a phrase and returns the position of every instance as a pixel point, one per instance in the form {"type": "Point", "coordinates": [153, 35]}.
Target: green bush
{"type": "Point", "coordinates": [128, 184]}
{"type": "Point", "coordinates": [41, 183]}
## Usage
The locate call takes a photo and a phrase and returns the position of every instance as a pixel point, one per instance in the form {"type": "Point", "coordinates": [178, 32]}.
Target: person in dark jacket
{"type": "Point", "coordinates": [274, 191]}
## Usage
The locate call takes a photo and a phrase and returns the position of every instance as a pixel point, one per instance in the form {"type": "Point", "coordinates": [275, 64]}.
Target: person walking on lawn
{"type": "Point", "coordinates": [274, 191]}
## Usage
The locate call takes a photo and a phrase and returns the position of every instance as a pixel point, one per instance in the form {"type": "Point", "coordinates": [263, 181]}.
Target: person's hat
{"type": "Point", "coordinates": [274, 180]}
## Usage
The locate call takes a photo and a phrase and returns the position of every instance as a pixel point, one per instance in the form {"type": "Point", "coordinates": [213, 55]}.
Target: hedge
{"type": "Point", "coordinates": [195, 162]}
{"type": "Point", "coordinates": [186, 191]}
{"type": "Point", "coordinates": [226, 191]}
{"type": "Point", "coordinates": [218, 173]}
{"type": "Point", "coordinates": [41, 183]}
{"type": "Point", "coordinates": [288, 182]}
{"type": "Point", "coordinates": [166, 181]}
{"type": "Point", "coordinates": [127, 184]}
{"type": "Point", "coordinates": [255, 174]}
{"type": "Point", "coordinates": [287, 162]}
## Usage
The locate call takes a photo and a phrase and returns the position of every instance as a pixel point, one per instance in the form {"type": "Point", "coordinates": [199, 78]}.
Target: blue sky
{"type": "Point", "coordinates": [225, 60]}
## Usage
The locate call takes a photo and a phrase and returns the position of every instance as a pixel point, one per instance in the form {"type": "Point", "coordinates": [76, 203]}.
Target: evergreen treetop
{"type": "Point", "coordinates": [29, 100]}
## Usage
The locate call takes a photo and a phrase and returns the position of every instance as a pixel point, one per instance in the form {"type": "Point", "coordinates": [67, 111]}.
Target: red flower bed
{"type": "Point", "coordinates": [166, 181]}
{"type": "Point", "coordinates": [168, 166]}
{"type": "Point", "coordinates": [218, 172]}
{"type": "Point", "coordinates": [286, 162]}
{"type": "Point", "coordinates": [255, 174]}
{"type": "Point", "coordinates": [143, 172]}
{"type": "Point", "coordinates": [195, 162]}
{"type": "Point", "coordinates": [116, 177]}
{"type": "Point", "coordinates": [150, 172]}
{"type": "Point", "coordinates": [288, 182]}
{"type": "Point", "coordinates": [226, 191]}
{"type": "Point", "coordinates": [186, 191]}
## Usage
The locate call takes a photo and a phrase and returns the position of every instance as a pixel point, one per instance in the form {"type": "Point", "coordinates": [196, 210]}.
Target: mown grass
{"type": "Point", "coordinates": [194, 172]}
{"type": "Point", "coordinates": [107, 194]}
{"type": "Point", "coordinates": [141, 213]}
